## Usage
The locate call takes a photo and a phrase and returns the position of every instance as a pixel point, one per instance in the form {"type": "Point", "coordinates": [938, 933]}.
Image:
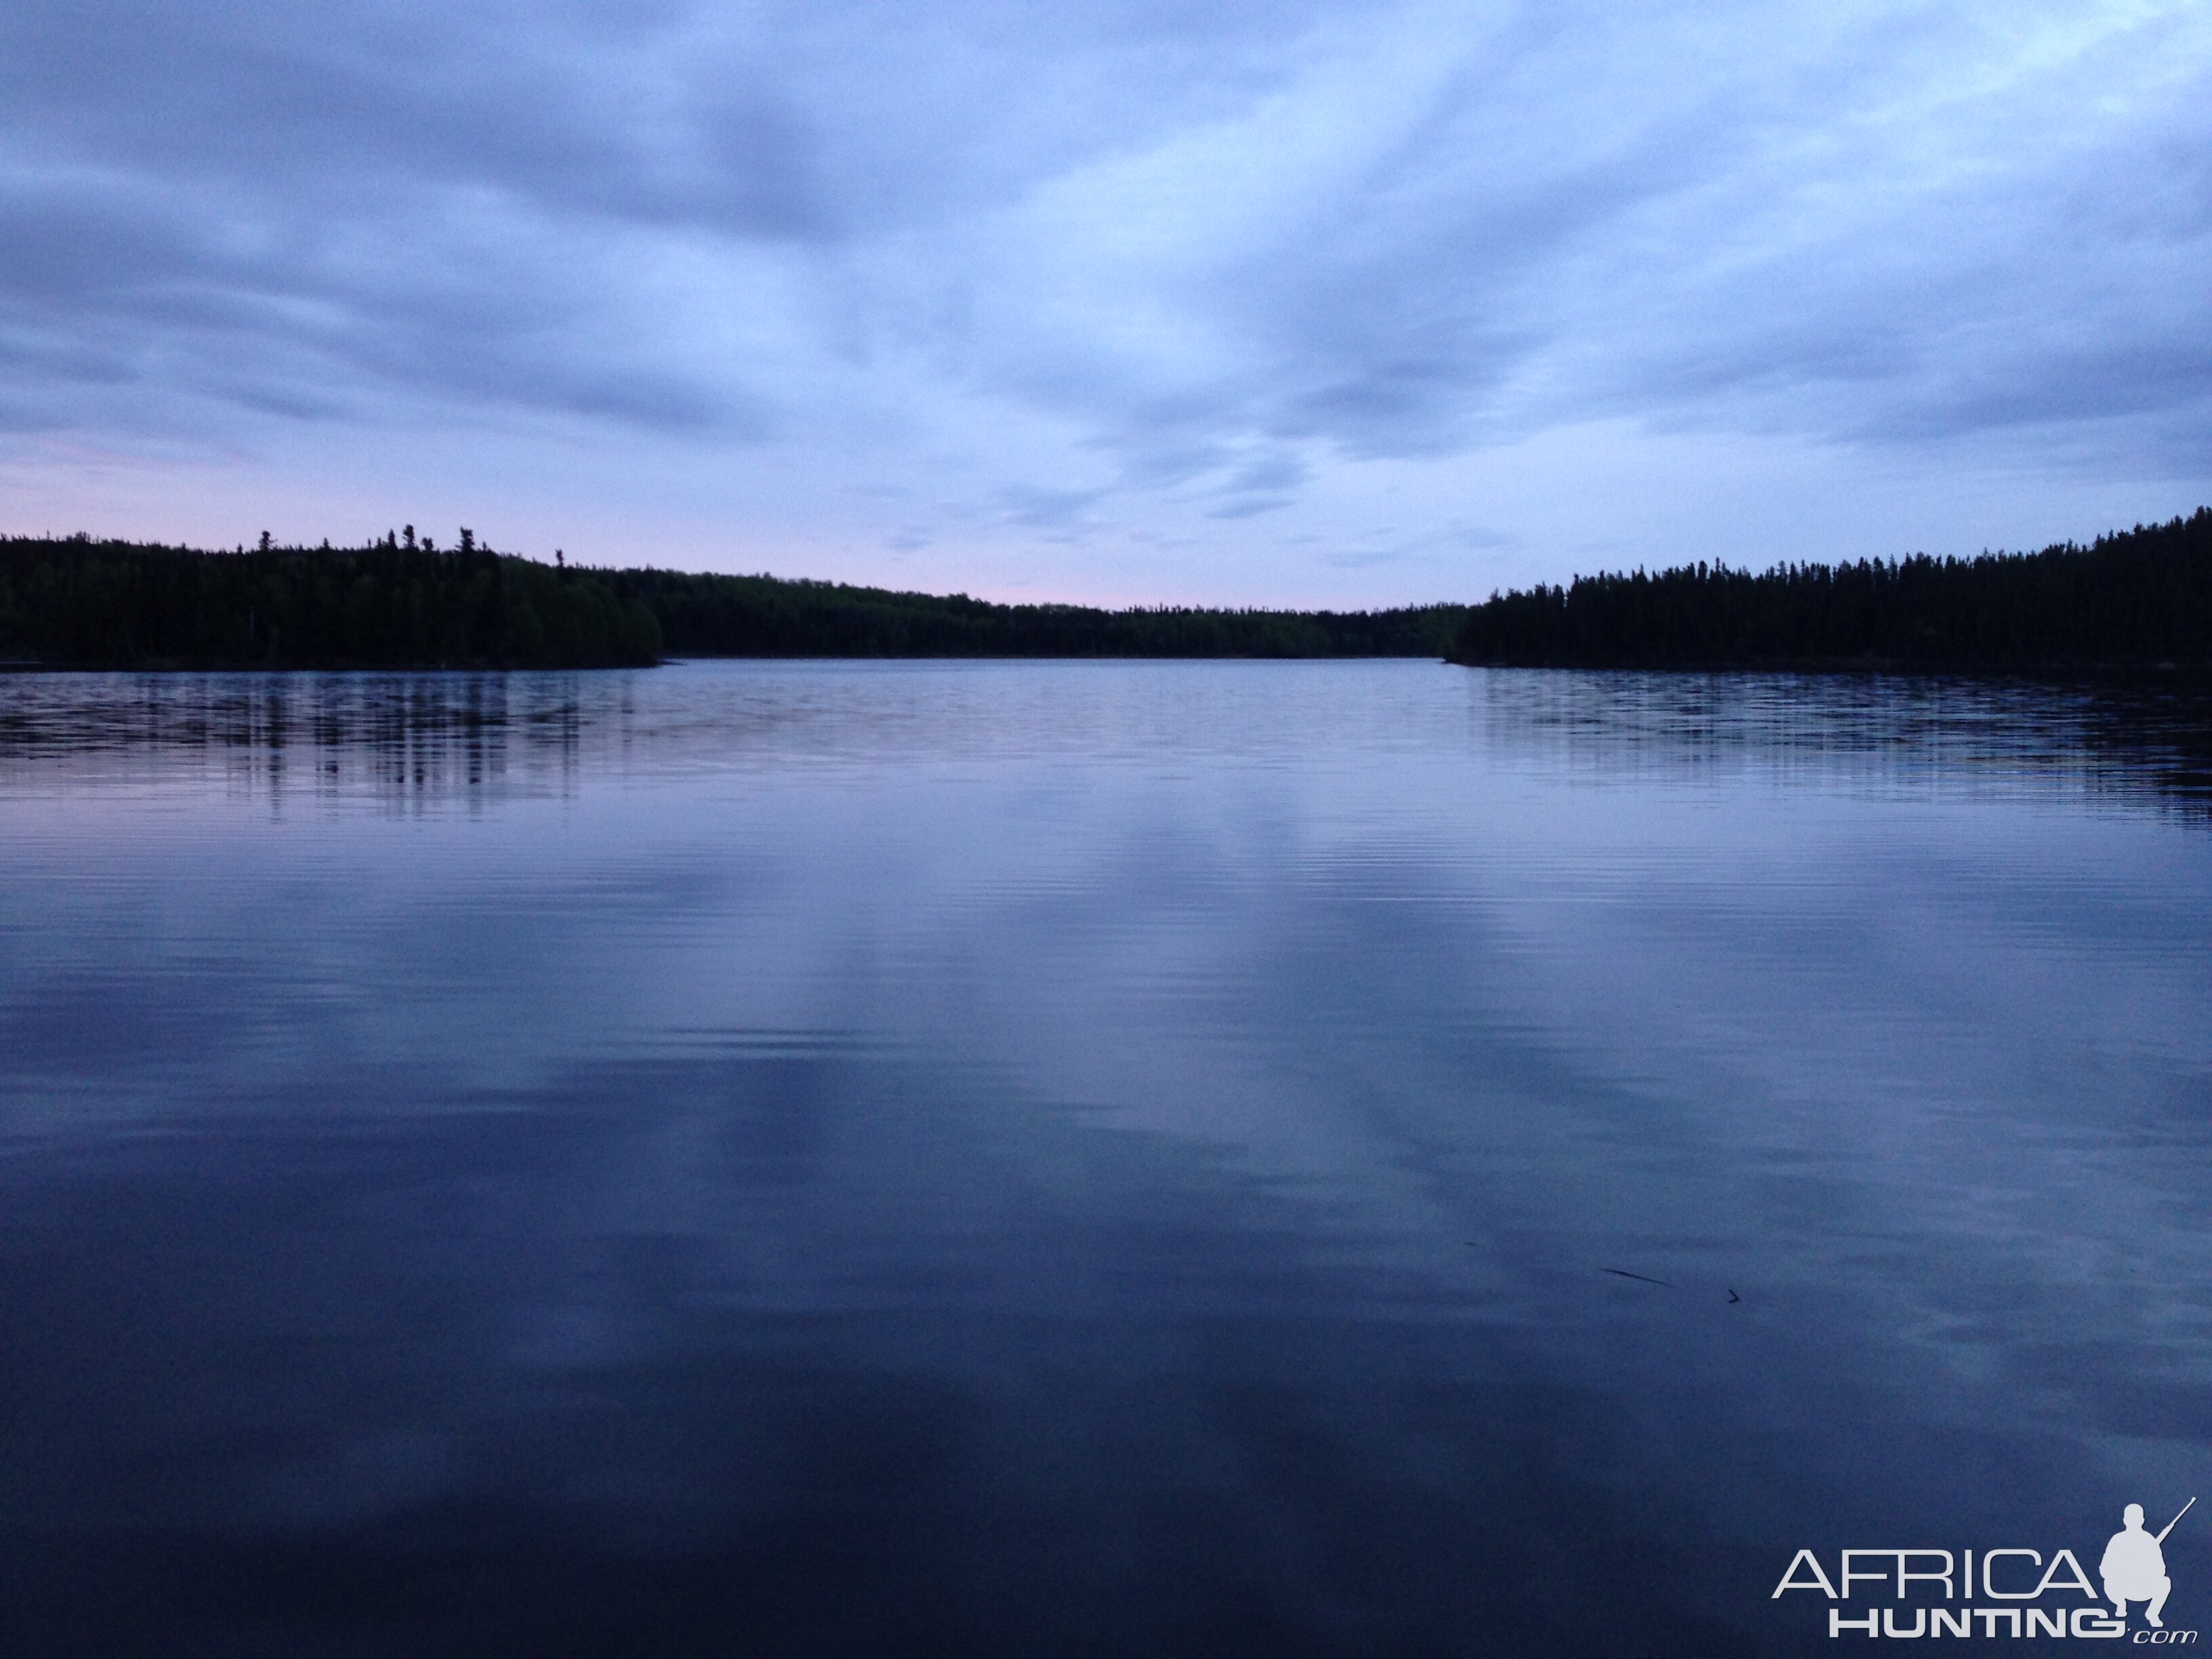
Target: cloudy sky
{"type": "Point", "coordinates": [1272, 301]}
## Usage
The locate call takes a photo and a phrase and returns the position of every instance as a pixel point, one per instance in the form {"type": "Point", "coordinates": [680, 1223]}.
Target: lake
{"type": "Point", "coordinates": [1091, 1158]}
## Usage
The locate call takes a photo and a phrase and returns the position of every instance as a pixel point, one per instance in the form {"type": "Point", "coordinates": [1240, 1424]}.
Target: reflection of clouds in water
{"type": "Point", "coordinates": [883, 1107]}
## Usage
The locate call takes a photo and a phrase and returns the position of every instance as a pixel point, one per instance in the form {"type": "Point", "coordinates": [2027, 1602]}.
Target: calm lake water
{"type": "Point", "coordinates": [1101, 1158]}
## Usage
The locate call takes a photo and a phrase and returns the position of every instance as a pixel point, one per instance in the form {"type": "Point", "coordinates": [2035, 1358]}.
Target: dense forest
{"type": "Point", "coordinates": [763, 616]}
{"type": "Point", "coordinates": [78, 602]}
{"type": "Point", "coordinates": [2136, 598]}
{"type": "Point", "coordinates": [403, 602]}
{"type": "Point", "coordinates": [2141, 598]}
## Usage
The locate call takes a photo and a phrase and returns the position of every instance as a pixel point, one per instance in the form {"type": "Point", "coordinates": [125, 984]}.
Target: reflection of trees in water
{"type": "Point", "coordinates": [2144, 739]}
{"type": "Point", "coordinates": [395, 736]}
{"type": "Point", "coordinates": [419, 736]}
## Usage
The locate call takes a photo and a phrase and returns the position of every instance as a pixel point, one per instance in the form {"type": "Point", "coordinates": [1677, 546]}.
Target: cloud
{"type": "Point", "coordinates": [1057, 510]}
{"type": "Point", "coordinates": [1079, 271]}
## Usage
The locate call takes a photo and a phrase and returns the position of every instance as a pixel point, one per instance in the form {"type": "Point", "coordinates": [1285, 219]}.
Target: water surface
{"type": "Point", "coordinates": [1083, 1157]}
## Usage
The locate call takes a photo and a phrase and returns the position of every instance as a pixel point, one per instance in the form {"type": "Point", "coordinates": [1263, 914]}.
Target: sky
{"type": "Point", "coordinates": [1268, 301]}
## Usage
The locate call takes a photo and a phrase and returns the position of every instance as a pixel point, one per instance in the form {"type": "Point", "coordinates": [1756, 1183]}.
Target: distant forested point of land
{"type": "Point", "coordinates": [75, 602]}
{"type": "Point", "coordinates": [2138, 599]}
{"type": "Point", "coordinates": [769, 617]}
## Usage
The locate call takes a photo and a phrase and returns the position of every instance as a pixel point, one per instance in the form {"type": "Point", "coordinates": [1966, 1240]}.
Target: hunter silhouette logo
{"type": "Point", "coordinates": [2134, 1567]}
{"type": "Point", "coordinates": [1929, 1591]}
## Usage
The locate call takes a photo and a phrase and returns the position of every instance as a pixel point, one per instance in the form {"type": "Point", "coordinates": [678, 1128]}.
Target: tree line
{"type": "Point", "coordinates": [2134, 598]}
{"type": "Point", "coordinates": [2138, 597]}
{"type": "Point", "coordinates": [78, 602]}
{"type": "Point", "coordinates": [403, 602]}
{"type": "Point", "coordinates": [768, 616]}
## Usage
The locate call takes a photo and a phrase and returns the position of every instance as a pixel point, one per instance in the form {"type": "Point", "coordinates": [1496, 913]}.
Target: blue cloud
{"type": "Point", "coordinates": [1142, 259]}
